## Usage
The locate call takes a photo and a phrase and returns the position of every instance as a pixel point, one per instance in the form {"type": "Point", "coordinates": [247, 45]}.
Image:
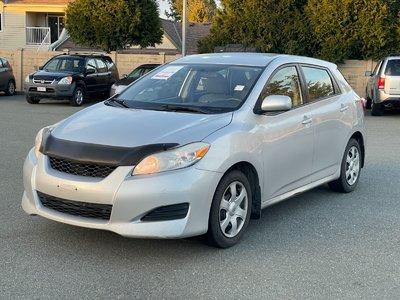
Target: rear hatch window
{"type": "Point", "coordinates": [393, 67]}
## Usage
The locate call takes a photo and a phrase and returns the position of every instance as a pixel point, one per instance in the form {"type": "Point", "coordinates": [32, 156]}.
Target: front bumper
{"type": "Point", "coordinates": [131, 198]}
{"type": "Point", "coordinates": [54, 90]}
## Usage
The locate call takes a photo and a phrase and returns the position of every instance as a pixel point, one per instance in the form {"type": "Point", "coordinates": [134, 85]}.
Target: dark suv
{"type": "Point", "coordinates": [72, 77]}
{"type": "Point", "coordinates": [7, 80]}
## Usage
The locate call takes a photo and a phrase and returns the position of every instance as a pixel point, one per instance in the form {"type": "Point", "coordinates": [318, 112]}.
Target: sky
{"type": "Point", "coordinates": [163, 4]}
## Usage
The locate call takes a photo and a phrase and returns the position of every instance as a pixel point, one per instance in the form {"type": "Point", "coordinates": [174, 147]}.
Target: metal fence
{"type": "Point", "coordinates": [38, 35]}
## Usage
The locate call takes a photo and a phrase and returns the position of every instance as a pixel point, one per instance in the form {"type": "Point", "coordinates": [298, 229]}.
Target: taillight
{"type": "Point", "coordinates": [362, 100]}
{"type": "Point", "coordinates": [381, 84]}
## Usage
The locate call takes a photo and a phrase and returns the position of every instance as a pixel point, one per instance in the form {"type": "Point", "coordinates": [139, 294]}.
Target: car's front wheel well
{"type": "Point", "coordinates": [358, 136]}
{"type": "Point", "coordinates": [252, 175]}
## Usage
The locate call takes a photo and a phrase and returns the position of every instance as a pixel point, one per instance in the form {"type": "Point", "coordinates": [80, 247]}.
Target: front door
{"type": "Point", "coordinates": [56, 24]}
{"type": "Point", "coordinates": [287, 137]}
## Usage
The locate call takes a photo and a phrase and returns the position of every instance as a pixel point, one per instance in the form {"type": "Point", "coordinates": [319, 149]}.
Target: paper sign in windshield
{"type": "Point", "coordinates": [167, 72]}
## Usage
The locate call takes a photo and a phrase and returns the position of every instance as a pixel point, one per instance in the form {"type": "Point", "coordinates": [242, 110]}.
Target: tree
{"type": "Point", "coordinates": [268, 25]}
{"type": "Point", "coordinates": [113, 25]}
{"type": "Point", "coordinates": [198, 11]}
{"type": "Point", "coordinates": [352, 28]}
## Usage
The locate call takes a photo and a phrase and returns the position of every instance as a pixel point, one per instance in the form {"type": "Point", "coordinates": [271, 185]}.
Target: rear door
{"type": "Point", "coordinates": [91, 79]}
{"type": "Point", "coordinates": [331, 112]}
{"type": "Point", "coordinates": [103, 76]}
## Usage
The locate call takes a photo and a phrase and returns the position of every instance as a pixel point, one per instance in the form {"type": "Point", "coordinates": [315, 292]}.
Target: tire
{"type": "Point", "coordinates": [10, 91]}
{"type": "Point", "coordinates": [78, 97]}
{"type": "Point", "coordinates": [350, 169]}
{"type": "Point", "coordinates": [368, 103]}
{"type": "Point", "coordinates": [377, 109]}
{"type": "Point", "coordinates": [228, 219]}
{"type": "Point", "coordinates": [31, 100]}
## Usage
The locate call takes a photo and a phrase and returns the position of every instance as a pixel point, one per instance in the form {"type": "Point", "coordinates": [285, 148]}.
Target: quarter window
{"type": "Point", "coordinates": [319, 83]}
{"type": "Point", "coordinates": [285, 82]}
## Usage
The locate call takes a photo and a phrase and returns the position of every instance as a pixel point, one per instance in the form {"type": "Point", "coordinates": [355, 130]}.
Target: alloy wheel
{"type": "Point", "coordinates": [352, 165]}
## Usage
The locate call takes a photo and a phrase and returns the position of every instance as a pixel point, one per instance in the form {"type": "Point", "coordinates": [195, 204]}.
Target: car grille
{"type": "Point", "coordinates": [43, 81]}
{"type": "Point", "coordinates": [167, 213]}
{"type": "Point", "coordinates": [75, 208]}
{"type": "Point", "coordinates": [81, 169]}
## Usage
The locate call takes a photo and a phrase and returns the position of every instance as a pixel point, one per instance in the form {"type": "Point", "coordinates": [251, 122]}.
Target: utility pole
{"type": "Point", "coordinates": [184, 27]}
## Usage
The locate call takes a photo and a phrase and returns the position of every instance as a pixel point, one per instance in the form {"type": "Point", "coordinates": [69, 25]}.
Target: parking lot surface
{"type": "Point", "coordinates": [318, 245]}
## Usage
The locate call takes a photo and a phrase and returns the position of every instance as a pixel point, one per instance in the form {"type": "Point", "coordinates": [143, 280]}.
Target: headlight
{"type": "Point", "coordinates": [65, 80]}
{"type": "Point", "coordinates": [27, 78]}
{"type": "Point", "coordinates": [39, 138]}
{"type": "Point", "coordinates": [173, 159]}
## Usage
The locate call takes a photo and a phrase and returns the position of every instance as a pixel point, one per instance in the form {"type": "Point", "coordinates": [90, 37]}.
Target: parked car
{"type": "Point", "coordinates": [383, 86]}
{"type": "Point", "coordinates": [7, 80]}
{"type": "Point", "coordinates": [199, 146]}
{"type": "Point", "coordinates": [73, 77]}
{"type": "Point", "coordinates": [126, 80]}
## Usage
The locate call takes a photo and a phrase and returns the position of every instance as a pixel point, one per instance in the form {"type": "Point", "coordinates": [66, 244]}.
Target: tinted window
{"type": "Point", "coordinates": [393, 67]}
{"type": "Point", "coordinates": [285, 82]}
{"type": "Point", "coordinates": [101, 66]}
{"type": "Point", "coordinates": [110, 64]}
{"type": "Point", "coordinates": [1, 63]}
{"type": "Point", "coordinates": [91, 64]}
{"type": "Point", "coordinates": [319, 83]}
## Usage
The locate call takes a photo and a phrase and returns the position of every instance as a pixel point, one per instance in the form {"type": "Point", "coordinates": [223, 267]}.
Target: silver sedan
{"type": "Point", "coordinates": [199, 146]}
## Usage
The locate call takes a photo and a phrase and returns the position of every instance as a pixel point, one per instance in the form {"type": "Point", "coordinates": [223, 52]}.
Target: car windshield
{"type": "Point", "coordinates": [192, 88]}
{"type": "Point", "coordinates": [65, 64]}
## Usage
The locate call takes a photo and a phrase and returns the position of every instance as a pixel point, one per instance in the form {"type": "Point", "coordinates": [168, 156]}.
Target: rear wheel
{"type": "Point", "coordinates": [78, 97]}
{"type": "Point", "coordinates": [32, 100]}
{"type": "Point", "coordinates": [377, 109]}
{"type": "Point", "coordinates": [10, 88]}
{"type": "Point", "coordinates": [350, 169]}
{"type": "Point", "coordinates": [230, 210]}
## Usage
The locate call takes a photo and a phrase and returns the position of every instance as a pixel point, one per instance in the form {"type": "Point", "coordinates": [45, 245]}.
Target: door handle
{"type": "Point", "coordinates": [343, 107]}
{"type": "Point", "coordinates": [307, 120]}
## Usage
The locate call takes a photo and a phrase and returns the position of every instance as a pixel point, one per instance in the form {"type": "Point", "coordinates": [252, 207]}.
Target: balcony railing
{"type": "Point", "coordinates": [38, 35]}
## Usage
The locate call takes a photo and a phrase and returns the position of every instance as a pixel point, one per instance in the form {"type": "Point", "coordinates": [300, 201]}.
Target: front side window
{"type": "Point", "coordinates": [285, 82]}
{"type": "Point", "coordinates": [319, 83]}
{"type": "Point", "coordinates": [211, 88]}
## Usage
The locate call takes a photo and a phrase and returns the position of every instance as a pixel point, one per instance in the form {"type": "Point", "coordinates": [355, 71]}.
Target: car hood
{"type": "Point", "coordinates": [122, 127]}
{"type": "Point", "coordinates": [46, 75]}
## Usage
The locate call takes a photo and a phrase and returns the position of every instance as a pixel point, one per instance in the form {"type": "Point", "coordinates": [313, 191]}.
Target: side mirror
{"type": "Point", "coordinates": [40, 67]}
{"type": "Point", "coordinates": [275, 103]}
{"type": "Point", "coordinates": [124, 75]}
{"type": "Point", "coordinates": [368, 74]}
{"type": "Point", "coordinates": [89, 71]}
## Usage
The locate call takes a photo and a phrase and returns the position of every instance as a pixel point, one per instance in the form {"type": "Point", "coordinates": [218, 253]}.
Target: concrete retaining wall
{"type": "Point", "coordinates": [27, 61]}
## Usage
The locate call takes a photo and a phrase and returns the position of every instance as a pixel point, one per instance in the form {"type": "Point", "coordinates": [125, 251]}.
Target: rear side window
{"type": "Point", "coordinates": [110, 64]}
{"type": "Point", "coordinates": [101, 66]}
{"type": "Point", "coordinates": [319, 83]}
{"type": "Point", "coordinates": [376, 70]}
{"type": "Point", "coordinates": [393, 67]}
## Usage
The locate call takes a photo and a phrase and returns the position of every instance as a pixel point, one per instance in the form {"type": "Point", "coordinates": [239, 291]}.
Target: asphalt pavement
{"type": "Point", "coordinates": [318, 245]}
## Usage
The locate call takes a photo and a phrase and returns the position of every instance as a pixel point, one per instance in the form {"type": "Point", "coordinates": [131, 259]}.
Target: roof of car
{"type": "Point", "coordinates": [84, 55]}
{"type": "Point", "coordinates": [249, 59]}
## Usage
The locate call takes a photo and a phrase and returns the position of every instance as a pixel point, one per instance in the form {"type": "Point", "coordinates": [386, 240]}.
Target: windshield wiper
{"type": "Point", "coordinates": [120, 102]}
{"type": "Point", "coordinates": [178, 108]}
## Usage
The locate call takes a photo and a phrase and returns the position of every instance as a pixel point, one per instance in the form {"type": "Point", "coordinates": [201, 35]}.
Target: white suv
{"type": "Point", "coordinates": [383, 87]}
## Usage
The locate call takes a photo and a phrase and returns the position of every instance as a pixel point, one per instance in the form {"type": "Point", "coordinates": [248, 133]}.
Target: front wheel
{"type": "Point", "coordinates": [10, 88]}
{"type": "Point", "coordinates": [31, 100]}
{"type": "Point", "coordinates": [230, 210]}
{"type": "Point", "coordinates": [350, 169]}
{"type": "Point", "coordinates": [78, 97]}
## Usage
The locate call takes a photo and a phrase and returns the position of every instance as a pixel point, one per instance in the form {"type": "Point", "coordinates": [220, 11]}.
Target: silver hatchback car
{"type": "Point", "coordinates": [199, 146]}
